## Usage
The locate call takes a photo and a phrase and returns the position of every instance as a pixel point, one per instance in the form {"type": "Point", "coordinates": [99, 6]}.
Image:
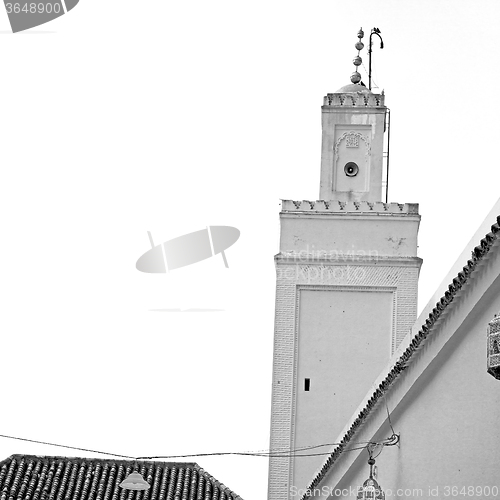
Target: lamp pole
{"type": "Point", "coordinates": [375, 31]}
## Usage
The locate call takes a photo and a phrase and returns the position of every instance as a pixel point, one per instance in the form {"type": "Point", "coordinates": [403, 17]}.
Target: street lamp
{"type": "Point", "coordinates": [375, 31]}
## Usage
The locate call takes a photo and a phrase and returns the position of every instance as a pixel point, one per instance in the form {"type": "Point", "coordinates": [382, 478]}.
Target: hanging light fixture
{"type": "Point", "coordinates": [134, 481]}
{"type": "Point", "coordinates": [370, 489]}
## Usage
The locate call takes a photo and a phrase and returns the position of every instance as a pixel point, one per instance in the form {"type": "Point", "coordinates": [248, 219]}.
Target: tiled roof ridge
{"type": "Point", "coordinates": [117, 461]}
{"type": "Point", "coordinates": [463, 276]}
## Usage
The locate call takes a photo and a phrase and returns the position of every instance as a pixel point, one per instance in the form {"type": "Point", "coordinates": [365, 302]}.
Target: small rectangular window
{"type": "Point", "coordinates": [307, 384]}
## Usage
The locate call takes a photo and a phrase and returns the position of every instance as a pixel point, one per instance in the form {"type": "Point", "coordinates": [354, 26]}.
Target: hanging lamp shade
{"type": "Point", "coordinates": [134, 481]}
{"type": "Point", "coordinates": [370, 489]}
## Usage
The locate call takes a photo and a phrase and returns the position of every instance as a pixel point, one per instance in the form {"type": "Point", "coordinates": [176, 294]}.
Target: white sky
{"type": "Point", "coordinates": [123, 117]}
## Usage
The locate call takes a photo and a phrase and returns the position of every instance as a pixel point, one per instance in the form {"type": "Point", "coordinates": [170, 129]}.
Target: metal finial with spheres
{"type": "Point", "coordinates": [359, 45]}
{"type": "Point", "coordinates": [357, 61]}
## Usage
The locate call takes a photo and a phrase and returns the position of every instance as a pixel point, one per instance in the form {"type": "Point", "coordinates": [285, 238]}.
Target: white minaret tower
{"type": "Point", "coordinates": [346, 288]}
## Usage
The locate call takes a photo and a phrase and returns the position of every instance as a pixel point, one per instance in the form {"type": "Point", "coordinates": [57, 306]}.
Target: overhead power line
{"type": "Point", "coordinates": [66, 446]}
{"type": "Point", "coordinates": [277, 453]}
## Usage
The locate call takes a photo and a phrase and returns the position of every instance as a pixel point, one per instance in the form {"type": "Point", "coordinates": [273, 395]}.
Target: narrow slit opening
{"type": "Point", "coordinates": [307, 384]}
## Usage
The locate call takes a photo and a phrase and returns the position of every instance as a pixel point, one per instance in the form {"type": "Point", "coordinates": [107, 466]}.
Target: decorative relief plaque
{"type": "Point", "coordinates": [352, 141]}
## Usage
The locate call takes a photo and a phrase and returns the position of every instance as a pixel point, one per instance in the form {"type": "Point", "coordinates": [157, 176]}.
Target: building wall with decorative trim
{"type": "Point", "coordinates": [367, 256]}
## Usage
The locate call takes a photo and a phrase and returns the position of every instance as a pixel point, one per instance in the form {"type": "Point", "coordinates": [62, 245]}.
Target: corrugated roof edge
{"type": "Point", "coordinates": [458, 282]}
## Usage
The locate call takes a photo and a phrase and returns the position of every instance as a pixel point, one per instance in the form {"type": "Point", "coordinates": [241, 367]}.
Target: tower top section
{"type": "Point", "coordinates": [353, 123]}
{"type": "Point", "coordinates": [356, 93]}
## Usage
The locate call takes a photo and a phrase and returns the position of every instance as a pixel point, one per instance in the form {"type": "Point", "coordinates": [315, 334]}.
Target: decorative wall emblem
{"type": "Point", "coordinates": [352, 137]}
{"type": "Point", "coordinates": [493, 362]}
{"type": "Point", "coordinates": [352, 140]}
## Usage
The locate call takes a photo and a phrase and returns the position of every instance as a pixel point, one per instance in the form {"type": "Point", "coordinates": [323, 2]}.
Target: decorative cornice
{"type": "Point", "coordinates": [478, 254]}
{"type": "Point", "coordinates": [342, 259]}
{"type": "Point", "coordinates": [354, 99]}
{"type": "Point", "coordinates": [351, 207]}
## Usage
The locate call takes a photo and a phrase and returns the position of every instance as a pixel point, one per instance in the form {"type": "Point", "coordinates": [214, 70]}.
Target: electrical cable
{"type": "Point", "coordinates": [303, 448]}
{"type": "Point", "coordinates": [381, 449]}
{"type": "Point", "coordinates": [65, 446]}
{"type": "Point", "coordinates": [287, 453]}
{"type": "Point", "coordinates": [253, 454]}
{"type": "Point", "coordinates": [389, 416]}
{"type": "Point", "coordinates": [374, 84]}
{"type": "Point", "coordinates": [256, 453]}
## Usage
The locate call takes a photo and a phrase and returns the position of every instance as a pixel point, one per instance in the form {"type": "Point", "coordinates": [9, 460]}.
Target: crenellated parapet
{"type": "Point", "coordinates": [336, 206]}
{"type": "Point", "coordinates": [354, 99]}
